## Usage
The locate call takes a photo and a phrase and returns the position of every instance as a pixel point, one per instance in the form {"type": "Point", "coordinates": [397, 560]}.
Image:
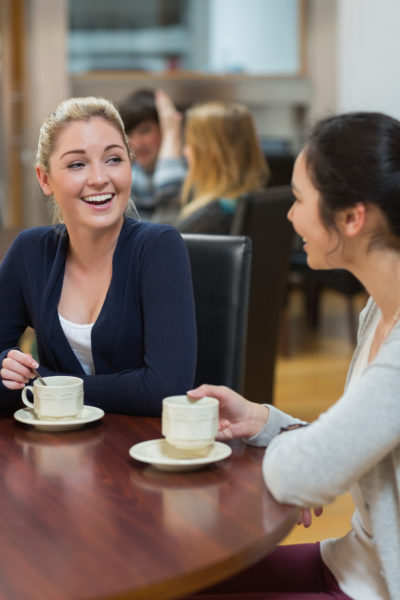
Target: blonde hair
{"type": "Point", "coordinates": [69, 111]}
{"type": "Point", "coordinates": [226, 160]}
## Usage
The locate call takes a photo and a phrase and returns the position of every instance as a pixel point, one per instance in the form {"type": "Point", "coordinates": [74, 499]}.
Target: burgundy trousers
{"type": "Point", "coordinates": [293, 572]}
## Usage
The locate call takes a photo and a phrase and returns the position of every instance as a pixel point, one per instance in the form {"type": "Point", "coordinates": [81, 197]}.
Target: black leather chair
{"type": "Point", "coordinates": [281, 168]}
{"type": "Point", "coordinates": [221, 277]}
{"type": "Point", "coordinates": [262, 217]}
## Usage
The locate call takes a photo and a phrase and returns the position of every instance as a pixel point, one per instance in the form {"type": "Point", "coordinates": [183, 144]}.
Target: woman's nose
{"type": "Point", "coordinates": [290, 213]}
{"type": "Point", "coordinates": [97, 174]}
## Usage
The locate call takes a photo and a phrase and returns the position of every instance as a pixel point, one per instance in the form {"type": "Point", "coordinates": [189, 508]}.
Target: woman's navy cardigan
{"type": "Point", "coordinates": [144, 339]}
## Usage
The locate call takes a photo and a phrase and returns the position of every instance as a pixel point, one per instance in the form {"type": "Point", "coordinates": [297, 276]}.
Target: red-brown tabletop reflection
{"type": "Point", "coordinates": [82, 519]}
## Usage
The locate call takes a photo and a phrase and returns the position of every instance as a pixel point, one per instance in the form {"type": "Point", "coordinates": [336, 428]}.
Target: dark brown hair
{"type": "Point", "coordinates": [139, 106]}
{"type": "Point", "coordinates": [355, 157]}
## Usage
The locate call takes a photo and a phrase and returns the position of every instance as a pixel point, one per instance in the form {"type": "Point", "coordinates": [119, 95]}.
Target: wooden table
{"type": "Point", "coordinates": [80, 519]}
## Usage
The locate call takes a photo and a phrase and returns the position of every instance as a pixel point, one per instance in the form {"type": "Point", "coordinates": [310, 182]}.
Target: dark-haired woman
{"type": "Point", "coordinates": [347, 210]}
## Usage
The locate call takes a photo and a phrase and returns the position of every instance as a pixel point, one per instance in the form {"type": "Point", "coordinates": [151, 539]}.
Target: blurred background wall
{"type": "Point", "coordinates": [290, 61]}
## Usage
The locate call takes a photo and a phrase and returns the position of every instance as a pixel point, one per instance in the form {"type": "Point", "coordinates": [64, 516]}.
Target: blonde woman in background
{"type": "Point", "coordinates": [225, 161]}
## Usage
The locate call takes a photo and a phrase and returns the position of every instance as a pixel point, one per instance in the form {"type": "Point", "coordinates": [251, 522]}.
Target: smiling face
{"type": "Point", "coordinates": [145, 141]}
{"type": "Point", "coordinates": [89, 174]}
{"type": "Point", "coordinates": [320, 243]}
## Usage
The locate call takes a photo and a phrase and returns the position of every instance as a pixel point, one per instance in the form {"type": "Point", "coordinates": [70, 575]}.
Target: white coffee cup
{"type": "Point", "coordinates": [189, 424]}
{"type": "Point", "coordinates": [61, 398]}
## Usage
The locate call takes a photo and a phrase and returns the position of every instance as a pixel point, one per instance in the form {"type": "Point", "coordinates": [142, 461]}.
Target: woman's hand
{"type": "Point", "coordinates": [16, 369]}
{"type": "Point", "coordinates": [305, 516]}
{"type": "Point", "coordinates": [238, 417]}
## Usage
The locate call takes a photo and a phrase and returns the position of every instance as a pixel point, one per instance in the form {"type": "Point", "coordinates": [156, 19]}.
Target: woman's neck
{"type": "Point", "coordinates": [380, 275]}
{"type": "Point", "coordinates": [91, 248]}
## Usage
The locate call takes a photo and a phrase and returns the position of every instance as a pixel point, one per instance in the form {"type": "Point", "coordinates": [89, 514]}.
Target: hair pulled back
{"type": "Point", "coordinates": [355, 157]}
{"type": "Point", "coordinates": [69, 111]}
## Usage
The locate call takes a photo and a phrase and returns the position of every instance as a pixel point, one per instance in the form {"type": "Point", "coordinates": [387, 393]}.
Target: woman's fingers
{"type": "Point", "coordinates": [221, 392]}
{"type": "Point", "coordinates": [305, 515]}
{"type": "Point", "coordinates": [205, 390]}
{"type": "Point", "coordinates": [16, 369]}
{"type": "Point", "coordinates": [12, 375]}
{"type": "Point", "coordinates": [12, 385]}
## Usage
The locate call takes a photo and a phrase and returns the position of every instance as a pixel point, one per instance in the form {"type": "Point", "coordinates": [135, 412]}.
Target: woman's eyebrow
{"type": "Point", "coordinates": [72, 152]}
{"type": "Point", "coordinates": [79, 151]}
{"type": "Point", "coordinates": [111, 146]}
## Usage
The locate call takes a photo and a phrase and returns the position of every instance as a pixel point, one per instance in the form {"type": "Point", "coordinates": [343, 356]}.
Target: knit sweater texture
{"type": "Point", "coordinates": [356, 441]}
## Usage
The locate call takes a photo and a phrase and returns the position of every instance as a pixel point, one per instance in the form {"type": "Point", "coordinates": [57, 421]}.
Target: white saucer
{"type": "Point", "coordinates": [89, 414]}
{"type": "Point", "coordinates": [163, 456]}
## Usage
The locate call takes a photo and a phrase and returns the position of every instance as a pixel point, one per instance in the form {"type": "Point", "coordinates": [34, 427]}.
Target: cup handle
{"type": "Point", "coordinates": [24, 398]}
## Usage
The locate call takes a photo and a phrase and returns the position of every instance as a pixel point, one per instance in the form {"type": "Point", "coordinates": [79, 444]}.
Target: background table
{"type": "Point", "coordinates": [81, 519]}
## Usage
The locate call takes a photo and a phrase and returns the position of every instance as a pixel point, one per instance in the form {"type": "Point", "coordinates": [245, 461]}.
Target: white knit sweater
{"type": "Point", "coordinates": [355, 445]}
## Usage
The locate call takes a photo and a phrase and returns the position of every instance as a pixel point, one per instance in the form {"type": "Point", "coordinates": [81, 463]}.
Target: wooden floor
{"type": "Point", "coordinates": [309, 381]}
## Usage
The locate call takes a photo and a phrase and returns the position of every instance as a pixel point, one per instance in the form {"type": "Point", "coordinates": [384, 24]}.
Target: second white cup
{"type": "Point", "coordinates": [189, 424]}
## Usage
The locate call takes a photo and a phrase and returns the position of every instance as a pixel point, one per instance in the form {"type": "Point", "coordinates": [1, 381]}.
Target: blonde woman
{"type": "Point", "coordinates": [110, 298]}
{"type": "Point", "coordinates": [225, 161]}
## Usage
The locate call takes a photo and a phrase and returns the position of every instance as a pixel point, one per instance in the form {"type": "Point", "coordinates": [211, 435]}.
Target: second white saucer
{"type": "Point", "coordinates": [163, 456]}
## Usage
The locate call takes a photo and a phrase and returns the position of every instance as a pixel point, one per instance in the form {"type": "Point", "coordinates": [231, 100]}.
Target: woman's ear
{"type": "Point", "coordinates": [44, 182]}
{"type": "Point", "coordinates": [352, 220]}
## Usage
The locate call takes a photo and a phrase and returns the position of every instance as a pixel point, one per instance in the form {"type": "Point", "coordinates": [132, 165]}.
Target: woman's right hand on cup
{"type": "Point", "coordinates": [238, 417]}
{"type": "Point", "coordinates": [16, 369]}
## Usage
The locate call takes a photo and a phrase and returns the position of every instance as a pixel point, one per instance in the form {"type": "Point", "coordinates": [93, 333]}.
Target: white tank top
{"type": "Point", "coordinates": [79, 338]}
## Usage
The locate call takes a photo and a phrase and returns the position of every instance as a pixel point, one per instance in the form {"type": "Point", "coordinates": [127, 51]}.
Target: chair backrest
{"type": "Point", "coordinates": [221, 282]}
{"type": "Point", "coordinates": [262, 217]}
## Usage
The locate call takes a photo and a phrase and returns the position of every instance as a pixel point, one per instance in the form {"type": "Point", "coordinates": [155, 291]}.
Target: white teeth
{"type": "Point", "coordinates": [99, 198]}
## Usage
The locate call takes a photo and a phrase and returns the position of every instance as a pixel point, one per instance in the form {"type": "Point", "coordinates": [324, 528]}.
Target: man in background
{"type": "Point", "coordinates": [154, 130]}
